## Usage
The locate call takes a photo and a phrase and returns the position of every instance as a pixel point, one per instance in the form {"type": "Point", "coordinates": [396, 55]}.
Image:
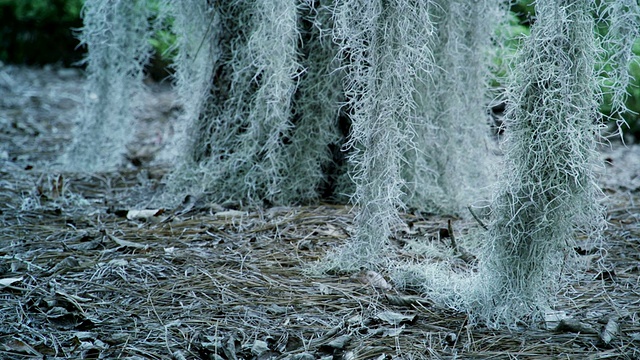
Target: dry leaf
{"type": "Point", "coordinates": [374, 279]}
{"type": "Point", "coordinates": [609, 331]}
{"type": "Point", "coordinates": [340, 342]}
{"type": "Point", "coordinates": [393, 332]}
{"type": "Point", "coordinates": [126, 243]}
{"type": "Point", "coordinates": [570, 325]}
{"type": "Point", "coordinates": [259, 347]}
{"type": "Point", "coordinates": [394, 318]}
{"type": "Point", "coordinates": [552, 318]}
{"type": "Point", "coordinates": [8, 281]}
{"type": "Point", "coordinates": [144, 214]}
{"type": "Point", "coordinates": [230, 214]}
{"type": "Point", "coordinates": [19, 347]}
{"type": "Point", "coordinates": [330, 231]}
{"type": "Point", "coordinates": [62, 267]}
{"type": "Point", "coordinates": [73, 298]}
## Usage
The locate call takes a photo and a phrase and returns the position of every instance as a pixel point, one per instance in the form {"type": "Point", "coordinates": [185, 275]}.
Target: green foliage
{"type": "Point", "coordinates": [39, 31]}
{"type": "Point", "coordinates": [509, 35]}
{"type": "Point", "coordinates": [632, 117]}
{"type": "Point", "coordinates": [525, 10]}
{"type": "Point", "coordinates": [512, 31]}
{"type": "Point", "coordinates": [43, 31]}
{"type": "Point", "coordinates": [164, 42]}
{"type": "Point", "coordinates": [52, 11]}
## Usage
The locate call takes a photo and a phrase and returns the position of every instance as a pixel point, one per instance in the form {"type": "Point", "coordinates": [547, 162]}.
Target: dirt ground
{"type": "Point", "coordinates": [85, 276]}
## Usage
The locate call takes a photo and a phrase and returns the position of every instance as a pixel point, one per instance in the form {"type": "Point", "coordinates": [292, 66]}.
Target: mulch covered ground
{"type": "Point", "coordinates": [85, 276]}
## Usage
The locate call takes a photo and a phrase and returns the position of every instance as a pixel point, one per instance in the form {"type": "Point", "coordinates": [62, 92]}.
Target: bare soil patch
{"type": "Point", "coordinates": [84, 277]}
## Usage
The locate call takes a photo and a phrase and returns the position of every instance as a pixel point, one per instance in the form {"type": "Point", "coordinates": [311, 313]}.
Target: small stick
{"type": "Point", "coordinates": [452, 237]}
{"type": "Point", "coordinates": [462, 252]}
{"type": "Point", "coordinates": [477, 218]}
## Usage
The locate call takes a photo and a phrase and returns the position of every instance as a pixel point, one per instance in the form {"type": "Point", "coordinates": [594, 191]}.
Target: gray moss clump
{"type": "Point", "coordinates": [417, 79]}
{"type": "Point", "coordinates": [116, 33]}
{"type": "Point", "coordinates": [312, 166]}
{"type": "Point", "coordinates": [196, 24]}
{"type": "Point", "coordinates": [548, 192]}
{"type": "Point", "coordinates": [384, 44]}
{"type": "Point", "coordinates": [622, 20]}
{"type": "Point", "coordinates": [260, 125]}
{"type": "Point", "coordinates": [547, 196]}
{"type": "Point", "coordinates": [236, 139]}
{"type": "Point", "coordinates": [448, 165]}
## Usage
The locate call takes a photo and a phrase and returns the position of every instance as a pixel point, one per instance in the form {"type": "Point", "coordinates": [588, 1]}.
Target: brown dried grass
{"type": "Point", "coordinates": [93, 284]}
{"type": "Point", "coordinates": [78, 280]}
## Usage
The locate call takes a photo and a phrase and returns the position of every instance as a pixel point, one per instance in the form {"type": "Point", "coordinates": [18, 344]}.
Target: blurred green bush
{"type": "Point", "coordinates": [45, 10]}
{"type": "Point", "coordinates": [39, 31]}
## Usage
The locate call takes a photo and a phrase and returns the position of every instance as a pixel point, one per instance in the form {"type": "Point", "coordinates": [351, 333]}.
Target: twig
{"type": "Point", "coordinates": [461, 252]}
{"type": "Point", "coordinates": [477, 218]}
{"type": "Point", "coordinates": [452, 237]}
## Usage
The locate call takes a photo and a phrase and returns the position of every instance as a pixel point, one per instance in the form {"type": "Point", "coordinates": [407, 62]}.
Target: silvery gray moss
{"type": "Point", "coordinates": [263, 82]}
{"type": "Point", "coordinates": [547, 194]}
{"type": "Point", "coordinates": [385, 45]}
{"type": "Point", "coordinates": [548, 190]}
{"type": "Point", "coordinates": [236, 141]}
{"type": "Point", "coordinates": [622, 21]}
{"type": "Point", "coordinates": [417, 74]}
{"type": "Point", "coordinates": [260, 129]}
{"type": "Point", "coordinates": [196, 25]}
{"type": "Point", "coordinates": [116, 34]}
{"type": "Point", "coordinates": [448, 164]}
{"type": "Point", "coordinates": [316, 137]}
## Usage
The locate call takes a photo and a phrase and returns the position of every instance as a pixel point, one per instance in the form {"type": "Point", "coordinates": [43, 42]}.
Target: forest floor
{"type": "Point", "coordinates": [85, 275]}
